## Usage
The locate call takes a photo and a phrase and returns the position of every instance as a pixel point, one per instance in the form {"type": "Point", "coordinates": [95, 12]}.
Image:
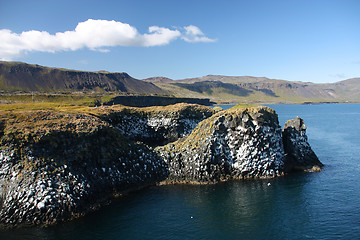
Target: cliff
{"type": "Point", "coordinates": [147, 101]}
{"type": "Point", "coordinates": [300, 156]}
{"type": "Point", "coordinates": [157, 125]}
{"type": "Point", "coordinates": [239, 144]}
{"type": "Point", "coordinates": [58, 165]}
{"type": "Point", "coordinates": [62, 165]}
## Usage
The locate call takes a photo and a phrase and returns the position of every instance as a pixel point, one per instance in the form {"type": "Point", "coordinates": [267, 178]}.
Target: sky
{"type": "Point", "coordinates": [297, 40]}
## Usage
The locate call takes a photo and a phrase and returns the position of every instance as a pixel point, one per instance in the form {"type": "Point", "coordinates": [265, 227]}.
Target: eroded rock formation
{"type": "Point", "coordinates": [158, 125]}
{"type": "Point", "coordinates": [299, 155]}
{"type": "Point", "coordinates": [234, 144]}
{"type": "Point", "coordinates": [56, 166]}
{"type": "Point", "coordinates": [59, 166]}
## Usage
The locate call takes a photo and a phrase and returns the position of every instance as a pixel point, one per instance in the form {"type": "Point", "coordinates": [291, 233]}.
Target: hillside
{"type": "Point", "coordinates": [158, 80]}
{"type": "Point", "coordinates": [17, 76]}
{"type": "Point", "coordinates": [262, 90]}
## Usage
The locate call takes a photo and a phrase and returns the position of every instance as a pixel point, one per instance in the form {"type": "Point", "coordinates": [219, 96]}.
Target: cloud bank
{"type": "Point", "coordinates": [95, 35]}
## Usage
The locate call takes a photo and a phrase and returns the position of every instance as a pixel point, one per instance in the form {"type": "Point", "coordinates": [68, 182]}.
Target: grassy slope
{"type": "Point", "coordinates": [83, 108]}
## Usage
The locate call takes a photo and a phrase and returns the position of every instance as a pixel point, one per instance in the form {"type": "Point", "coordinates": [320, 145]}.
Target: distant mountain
{"type": "Point", "coordinates": [17, 76]}
{"type": "Point", "coordinates": [158, 80]}
{"type": "Point", "coordinates": [262, 90]}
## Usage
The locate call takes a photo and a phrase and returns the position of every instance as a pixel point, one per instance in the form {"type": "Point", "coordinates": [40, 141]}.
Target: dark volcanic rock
{"type": "Point", "coordinates": [57, 166]}
{"type": "Point", "coordinates": [158, 125]}
{"type": "Point", "coordinates": [148, 101]}
{"type": "Point", "coordinates": [235, 144]}
{"type": "Point", "coordinates": [299, 155]}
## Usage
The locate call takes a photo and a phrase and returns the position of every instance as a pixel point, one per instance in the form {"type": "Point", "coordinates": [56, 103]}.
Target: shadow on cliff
{"type": "Point", "coordinates": [104, 163]}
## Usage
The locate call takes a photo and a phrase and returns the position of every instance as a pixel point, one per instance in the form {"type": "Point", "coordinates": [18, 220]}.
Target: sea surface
{"type": "Point", "coordinates": [320, 205]}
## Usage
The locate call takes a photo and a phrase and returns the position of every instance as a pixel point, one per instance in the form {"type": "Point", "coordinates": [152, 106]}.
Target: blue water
{"type": "Point", "coordinates": [323, 205]}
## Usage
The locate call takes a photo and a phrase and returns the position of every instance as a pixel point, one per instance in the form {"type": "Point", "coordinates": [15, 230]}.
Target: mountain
{"type": "Point", "coordinates": [262, 90]}
{"type": "Point", "coordinates": [17, 76]}
{"type": "Point", "coordinates": [158, 80]}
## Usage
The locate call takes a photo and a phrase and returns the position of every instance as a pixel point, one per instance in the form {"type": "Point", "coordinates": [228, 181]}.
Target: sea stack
{"type": "Point", "coordinates": [299, 155]}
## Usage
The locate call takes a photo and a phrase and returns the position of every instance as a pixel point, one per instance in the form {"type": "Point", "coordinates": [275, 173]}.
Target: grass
{"type": "Point", "coordinates": [283, 95]}
{"type": "Point", "coordinates": [66, 98]}
{"type": "Point", "coordinates": [88, 104]}
{"type": "Point", "coordinates": [67, 103]}
{"type": "Point", "coordinates": [243, 106]}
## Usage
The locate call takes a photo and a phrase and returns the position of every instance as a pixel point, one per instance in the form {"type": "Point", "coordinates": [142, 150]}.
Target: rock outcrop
{"type": "Point", "coordinates": [148, 101]}
{"type": "Point", "coordinates": [55, 166]}
{"type": "Point", "coordinates": [235, 144]}
{"type": "Point", "coordinates": [299, 155]}
{"type": "Point", "coordinates": [59, 166]}
{"type": "Point", "coordinates": [239, 144]}
{"type": "Point", "coordinates": [157, 125]}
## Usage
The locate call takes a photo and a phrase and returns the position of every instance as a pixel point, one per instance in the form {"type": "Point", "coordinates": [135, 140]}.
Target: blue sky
{"type": "Point", "coordinates": [304, 40]}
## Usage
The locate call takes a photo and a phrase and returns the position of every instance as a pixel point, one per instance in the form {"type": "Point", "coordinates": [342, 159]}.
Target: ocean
{"type": "Point", "coordinates": [319, 205]}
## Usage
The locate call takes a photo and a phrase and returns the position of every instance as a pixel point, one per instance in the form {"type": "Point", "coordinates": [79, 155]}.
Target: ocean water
{"type": "Point", "coordinates": [322, 205]}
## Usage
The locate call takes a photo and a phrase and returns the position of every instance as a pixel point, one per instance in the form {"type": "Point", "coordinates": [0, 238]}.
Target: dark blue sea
{"type": "Point", "coordinates": [321, 205]}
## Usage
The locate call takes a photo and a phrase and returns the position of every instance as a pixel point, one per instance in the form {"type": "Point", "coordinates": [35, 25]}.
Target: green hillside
{"type": "Point", "coordinates": [262, 90]}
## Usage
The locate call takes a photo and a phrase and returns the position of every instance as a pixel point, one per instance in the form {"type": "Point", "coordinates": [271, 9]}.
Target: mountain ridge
{"type": "Point", "coordinates": [263, 90]}
{"type": "Point", "coordinates": [23, 77]}
{"type": "Point", "coordinates": [18, 76]}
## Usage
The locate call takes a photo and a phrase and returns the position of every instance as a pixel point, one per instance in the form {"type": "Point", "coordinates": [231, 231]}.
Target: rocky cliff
{"type": "Point", "coordinates": [64, 165]}
{"type": "Point", "coordinates": [238, 144]}
{"type": "Point", "coordinates": [55, 166]}
{"type": "Point", "coordinates": [157, 125]}
{"type": "Point", "coordinates": [299, 155]}
{"type": "Point", "coordinates": [148, 101]}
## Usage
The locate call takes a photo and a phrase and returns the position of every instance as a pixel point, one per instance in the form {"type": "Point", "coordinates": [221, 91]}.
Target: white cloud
{"type": "Point", "coordinates": [194, 34]}
{"type": "Point", "coordinates": [160, 36]}
{"type": "Point", "coordinates": [93, 34]}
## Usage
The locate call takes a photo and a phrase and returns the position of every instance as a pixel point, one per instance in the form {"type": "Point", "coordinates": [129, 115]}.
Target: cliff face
{"type": "Point", "coordinates": [147, 101]}
{"type": "Point", "coordinates": [55, 166]}
{"type": "Point", "coordinates": [158, 125]}
{"type": "Point", "coordinates": [300, 156]}
{"type": "Point", "coordinates": [236, 144]}
{"type": "Point", "coordinates": [63, 165]}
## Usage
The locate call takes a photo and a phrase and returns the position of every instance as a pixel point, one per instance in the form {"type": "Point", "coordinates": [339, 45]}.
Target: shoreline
{"type": "Point", "coordinates": [57, 166]}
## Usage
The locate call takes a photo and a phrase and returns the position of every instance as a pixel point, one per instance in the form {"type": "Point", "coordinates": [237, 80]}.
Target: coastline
{"type": "Point", "coordinates": [64, 165]}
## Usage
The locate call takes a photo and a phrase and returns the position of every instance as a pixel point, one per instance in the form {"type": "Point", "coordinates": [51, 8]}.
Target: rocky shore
{"type": "Point", "coordinates": [59, 165]}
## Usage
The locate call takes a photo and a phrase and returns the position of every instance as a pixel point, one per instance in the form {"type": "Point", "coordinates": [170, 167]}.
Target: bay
{"type": "Point", "coordinates": [321, 205]}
